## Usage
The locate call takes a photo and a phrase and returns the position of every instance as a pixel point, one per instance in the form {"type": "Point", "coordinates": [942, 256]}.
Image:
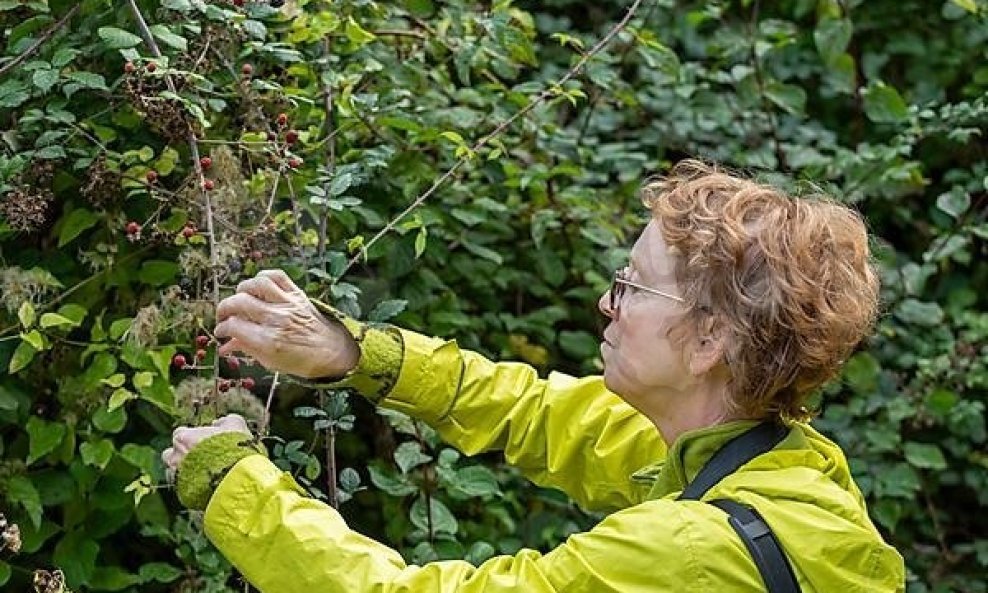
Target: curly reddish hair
{"type": "Point", "coordinates": [790, 280]}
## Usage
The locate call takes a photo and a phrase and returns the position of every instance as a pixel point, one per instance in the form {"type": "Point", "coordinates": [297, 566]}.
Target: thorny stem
{"type": "Point", "coordinates": [145, 34]}
{"type": "Point", "coordinates": [331, 486]}
{"type": "Point", "coordinates": [40, 41]}
{"type": "Point", "coordinates": [541, 98]}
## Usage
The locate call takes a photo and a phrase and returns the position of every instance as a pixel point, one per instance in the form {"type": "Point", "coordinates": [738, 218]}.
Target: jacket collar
{"type": "Point", "coordinates": [687, 456]}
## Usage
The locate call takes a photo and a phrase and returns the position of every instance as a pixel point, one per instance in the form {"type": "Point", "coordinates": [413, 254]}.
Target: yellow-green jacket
{"type": "Point", "coordinates": [574, 435]}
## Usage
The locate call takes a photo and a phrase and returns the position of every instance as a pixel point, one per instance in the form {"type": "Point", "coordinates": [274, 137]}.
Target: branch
{"type": "Point", "coordinates": [145, 33]}
{"type": "Point", "coordinates": [541, 98]}
{"type": "Point", "coordinates": [34, 47]}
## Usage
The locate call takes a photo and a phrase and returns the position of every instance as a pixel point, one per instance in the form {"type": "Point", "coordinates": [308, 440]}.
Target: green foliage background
{"type": "Point", "coordinates": [882, 103]}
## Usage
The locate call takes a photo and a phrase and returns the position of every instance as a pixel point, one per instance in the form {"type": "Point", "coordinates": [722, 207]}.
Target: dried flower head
{"type": "Point", "coordinates": [20, 285]}
{"type": "Point", "coordinates": [27, 208]}
{"type": "Point", "coordinates": [10, 536]}
{"type": "Point", "coordinates": [50, 582]}
{"type": "Point", "coordinates": [102, 185]}
{"type": "Point", "coordinates": [145, 327]}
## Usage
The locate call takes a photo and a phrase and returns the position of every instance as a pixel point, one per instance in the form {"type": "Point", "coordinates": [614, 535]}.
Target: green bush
{"type": "Point", "coordinates": [116, 240]}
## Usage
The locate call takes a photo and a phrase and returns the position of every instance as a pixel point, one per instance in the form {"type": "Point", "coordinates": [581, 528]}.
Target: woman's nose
{"type": "Point", "coordinates": [604, 305]}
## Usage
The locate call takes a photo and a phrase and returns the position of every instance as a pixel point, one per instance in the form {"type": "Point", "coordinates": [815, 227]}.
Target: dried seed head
{"type": "Point", "coordinates": [145, 327]}
{"type": "Point", "coordinates": [10, 536]}
{"type": "Point", "coordinates": [49, 582]}
{"type": "Point", "coordinates": [18, 286]}
{"type": "Point", "coordinates": [27, 209]}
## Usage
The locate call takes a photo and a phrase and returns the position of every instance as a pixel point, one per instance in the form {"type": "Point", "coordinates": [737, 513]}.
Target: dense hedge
{"type": "Point", "coordinates": [116, 240]}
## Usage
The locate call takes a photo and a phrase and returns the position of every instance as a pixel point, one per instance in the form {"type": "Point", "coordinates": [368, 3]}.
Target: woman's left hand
{"type": "Point", "coordinates": [184, 438]}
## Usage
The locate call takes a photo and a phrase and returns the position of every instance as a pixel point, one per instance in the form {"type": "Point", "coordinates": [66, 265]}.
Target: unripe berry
{"type": "Point", "coordinates": [247, 383]}
{"type": "Point", "coordinates": [129, 67]}
{"type": "Point", "coordinates": [206, 162]}
{"type": "Point", "coordinates": [282, 119]}
{"type": "Point", "coordinates": [133, 228]}
{"type": "Point", "coordinates": [247, 69]}
{"type": "Point", "coordinates": [291, 137]}
{"type": "Point", "coordinates": [223, 385]}
{"type": "Point", "coordinates": [178, 361]}
{"type": "Point", "coordinates": [202, 341]}
{"type": "Point", "coordinates": [200, 354]}
{"type": "Point", "coordinates": [233, 362]}
{"type": "Point", "coordinates": [208, 185]}
{"type": "Point", "coordinates": [151, 67]}
{"type": "Point", "coordinates": [152, 176]}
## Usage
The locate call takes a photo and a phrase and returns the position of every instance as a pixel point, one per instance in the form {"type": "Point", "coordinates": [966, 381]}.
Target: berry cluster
{"type": "Point", "coordinates": [202, 342]}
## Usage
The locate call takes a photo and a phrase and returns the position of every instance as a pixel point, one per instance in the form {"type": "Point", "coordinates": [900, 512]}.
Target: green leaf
{"type": "Point", "coordinates": [97, 453]}
{"type": "Point", "coordinates": [35, 339]}
{"type": "Point", "coordinates": [166, 162]}
{"type": "Point", "coordinates": [76, 555]}
{"type": "Point", "coordinates": [113, 578]}
{"type": "Point", "coordinates": [954, 202]}
{"type": "Point", "coordinates": [884, 105]}
{"type": "Point", "coordinates": [26, 314]}
{"type": "Point", "coordinates": [357, 34]}
{"type": "Point", "coordinates": [143, 379]}
{"type": "Point", "coordinates": [919, 312]}
{"type": "Point", "coordinates": [158, 272]}
{"type": "Point", "coordinates": [89, 80]}
{"type": "Point", "coordinates": [22, 357]}
{"type": "Point", "coordinates": [832, 37]}
{"type": "Point", "coordinates": [159, 571]}
{"type": "Point", "coordinates": [442, 521]}
{"type": "Point", "coordinates": [968, 5]}
{"type": "Point", "coordinates": [44, 79]}
{"type": "Point", "coordinates": [21, 491]}
{"type": "Point", "coordinates": [925, 456]}
{"type": "Point", "coordinates": [75, 223]}
{"type": "Point", "coordinates": [476, 480]}
{"type": "Point", "coordinates": [13, 93]}
{"type": "Point", "coordinates": [169, 38]}
{"type": "Point", "coordinates": [861, 372]}
{"type": "Point", "coordinates": [5, 572]}
{"type": "Point", "coordinates": [119, 327]}
{"type": "Point", "coordinates": [394, 485]}
{"type": "Point", "coordinates": [57, 320]}
{"type": "Point", "coordinates": [790, 97]}
{"type": "Point", "coordinates": [409, 455]}
{"type": "Point", "coordinates": [386, 310]}
{"type": "Point", "coordinates": [120, 397]}
{"type": "Point", "coordinates": [43, 437]}
{"type": "Point", "coordinates": [118, 38]}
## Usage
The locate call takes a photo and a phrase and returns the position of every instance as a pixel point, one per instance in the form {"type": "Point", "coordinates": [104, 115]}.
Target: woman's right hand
{"type": "Point", "coordinates": [271, 320]}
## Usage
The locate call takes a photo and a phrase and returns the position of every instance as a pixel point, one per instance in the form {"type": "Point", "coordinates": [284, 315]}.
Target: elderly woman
{"type": "Point", "coordinates": [736, 303]}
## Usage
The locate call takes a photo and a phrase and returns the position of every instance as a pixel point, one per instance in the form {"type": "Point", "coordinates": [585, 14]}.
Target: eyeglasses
{"type": "Point", "coordinates": [620, 284]}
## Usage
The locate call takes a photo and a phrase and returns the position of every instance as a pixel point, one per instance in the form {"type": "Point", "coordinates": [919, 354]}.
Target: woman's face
{"type": "Point", "coordinates": [641, 360]}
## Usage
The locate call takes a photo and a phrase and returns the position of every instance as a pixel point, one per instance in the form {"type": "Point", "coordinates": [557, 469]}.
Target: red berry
{"type": "Point", "coordinates": [247, 69]}
{"type": "Point", "coordinates": [233, 362]}
{"type": "Point", "coordinates": [188, 232]}
{"type": "Point", "coordinates": [295, 163]}
{"type": "Point", "coordinates": [282, 119]}
{"type": "Point", "coordinates": [178, 361]}
{"type": "Point", "coordinates": [247, 383]}
{"type": "Point", "coordinates": [133, 228]}
{"type": "Point", "coordinates": [208, 185]}
{"type": "Point", "coordinates": [129, 67]}
{"type": "Point", "coordinates": [223, 385]}
{"type": "Point", "coordinates": [202, 341]}
{"type": "Point", "coordinates": [152, 66]}
{"type": "Point", "coordinates": [206, 162]}
{"type": "Point", "coordinates": [256, 255]}
{"type": "Point", "coordinates": [238, 3]}
{"type": "Point", "coordinates": [200, 354]}
{"type": "Point", "coordinates": [291, 137]}
{"type": "Point", "coordinates": [152, 176]}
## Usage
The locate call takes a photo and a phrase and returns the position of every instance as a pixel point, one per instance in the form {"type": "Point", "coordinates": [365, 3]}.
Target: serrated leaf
{"type": "Point", "coordinates": [44, 79]}
{"type": "Point", "coordinates": [118, 38]}
{"type": "Point", "coordinates": [409, 455]}
{"type": "Point", "coordinates": [432, 513]}
{"type": "Point", "coordinates": [387, 309]}
{"type": "Point", "coordinates": [925, 456]}
{"type": "Point", "coordinates": [97, 453]}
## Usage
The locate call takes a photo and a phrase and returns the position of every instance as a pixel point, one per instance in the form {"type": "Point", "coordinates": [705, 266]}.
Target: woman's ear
{"type": "Point", "coordinates": [709, 347]}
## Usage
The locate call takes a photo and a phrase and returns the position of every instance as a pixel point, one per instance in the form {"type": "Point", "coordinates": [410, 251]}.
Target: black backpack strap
{"type": "Point", "coordinates": [737, 452]}
{"type": "Point", "coordinates": [762, 545]}
{"type": "Point", "coordinates": [758, 538]}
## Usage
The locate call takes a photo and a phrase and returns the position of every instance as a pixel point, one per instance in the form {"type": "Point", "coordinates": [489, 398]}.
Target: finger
{"type": "Point", "coordinates": [242, 304]}
{"type": "Point", "coordinates": [179, 442]}
{"type": "Point", "coordinates": [234, 422]}
{"type": "Point", "coordinates": [263, 288]}
{"type": "Point", "coordinates": [282, 279]}
{"type": "Point", "coordinates": [168, 457]}
{"type": "Point", "coordinates": [249, 337]}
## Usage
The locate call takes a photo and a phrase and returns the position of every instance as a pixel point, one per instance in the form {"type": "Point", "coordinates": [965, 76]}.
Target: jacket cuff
{"type": "Point", "coordinates": [207, 463]}
{"type": "Point", "coordinates": [381, 352]}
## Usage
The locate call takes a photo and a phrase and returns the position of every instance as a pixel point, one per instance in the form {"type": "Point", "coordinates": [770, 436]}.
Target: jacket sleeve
{"type": "Point", "coordinates": [283, 542]}
{"type": "Point", "coordinates": [562, 432]}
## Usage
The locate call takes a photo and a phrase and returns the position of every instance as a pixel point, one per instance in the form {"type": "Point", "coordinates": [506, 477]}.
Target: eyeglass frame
{"type": "Point", "coordinates": [620, 280]}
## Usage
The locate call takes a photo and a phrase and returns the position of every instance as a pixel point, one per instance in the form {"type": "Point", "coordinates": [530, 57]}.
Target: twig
{"type": "Point", "coordinates": [34, 47]}
{"type": "Point", "coordinates": [145, 34]}
{"type": "Point", "coordinates": [541, 98]}
{"type": "Point", "coordinates": [265, 421]}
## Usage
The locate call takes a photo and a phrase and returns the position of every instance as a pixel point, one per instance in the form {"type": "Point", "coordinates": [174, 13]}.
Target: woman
{"type": "Point", "coordinates": [736, 303]}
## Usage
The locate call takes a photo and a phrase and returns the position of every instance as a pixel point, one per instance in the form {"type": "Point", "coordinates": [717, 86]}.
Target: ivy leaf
{"type": "Point", "coordinates": [409, 455]}
{"type": "Point", "coordinates": [118, 38]}
{"type": "Point", "coordinates": [884, 105]}
{"type": "Point", "coordinates": [789, 97]}
{"type": "Point", "coordinates": [43, 437]}
{"type": "Point", "coordinates": [76, 555]}
{"type": "Point", "coordinates": [75, 223]}
{"type": "Point", "coordinates": [97, 453]}
{"type": "Point", "coordinates": [925, 456]}
{"type": "Point", "coordinates": [22, 492]}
